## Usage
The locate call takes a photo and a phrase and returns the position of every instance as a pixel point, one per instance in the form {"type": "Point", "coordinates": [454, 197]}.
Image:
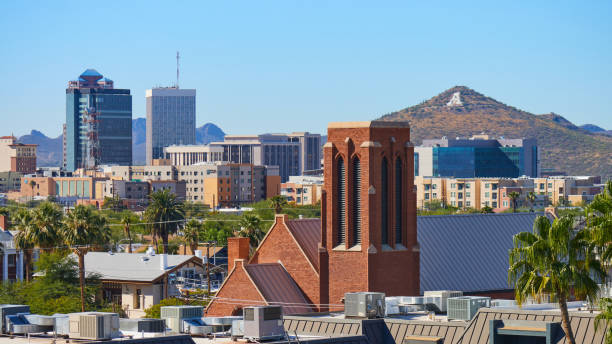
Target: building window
{"type": "Point", "coordinates": [357, 200]}
{"type": "Point", "coordinates": [398, 201]}
{"type": "Point", "coordinates": [467, 185]}
{"type": "Point", "coordinates": [434, 186]}
{"type": "Point", "coordinates": [468, 203]}
{"type": "Point", "coordinates": [467, 194]}
{"type": "Point", "coordinates": [453, 185]}
{"type": "Point", "coordinates": [486, 194]}
{"type": "Point", "coordinates": [341, 192]}
{"type": "Point", "coordinates": [434, 195]}
{"type": "Point", "coordinates": [426, 196]}
{"type": "Point", "coordinates": [487, 185]}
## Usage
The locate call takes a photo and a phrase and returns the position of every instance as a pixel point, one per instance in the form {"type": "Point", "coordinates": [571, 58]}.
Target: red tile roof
{"type": "Point", "coordinates": [277, 287]}
{"type": "Point", "coordinates": [307, 232]}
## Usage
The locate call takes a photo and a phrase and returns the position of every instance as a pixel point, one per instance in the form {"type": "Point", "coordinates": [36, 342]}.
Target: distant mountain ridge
{"type": "Point", "coordinates": [49, 151]}
{"type": "Point", "coordinates": [461, 111]}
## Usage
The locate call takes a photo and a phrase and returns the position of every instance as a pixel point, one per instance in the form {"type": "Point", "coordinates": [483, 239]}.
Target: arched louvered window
{"type": "Point", "coordinates": [341, 191]}
{"type": "Point", "coordinates": [384, 206]}
{"type": "Point", "coordinates": [357, 201]}
{"type": "Point", "coordinates": [398, 201]}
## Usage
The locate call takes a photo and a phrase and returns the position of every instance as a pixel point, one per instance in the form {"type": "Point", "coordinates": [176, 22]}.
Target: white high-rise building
{"type": "Point", "coordinates": [171, 116]}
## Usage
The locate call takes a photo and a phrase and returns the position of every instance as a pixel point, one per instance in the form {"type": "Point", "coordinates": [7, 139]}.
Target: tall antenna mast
{"type": "Point", "coordinates": [177, 69]}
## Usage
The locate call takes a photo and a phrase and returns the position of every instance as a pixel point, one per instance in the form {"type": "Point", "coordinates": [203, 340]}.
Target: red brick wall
{"type": "Point", "coordinates": [395, 270]}
{"type": "Point", "coordinates": [237, 248]}
{"type": "Point", "coordinates": [4, 222]}
{"type": "Point", "coordinates": [279, 245]}
{"type": "Point", "coordinates": [237, 286]}
{"type": "Point", "coordinates": [23, 164]}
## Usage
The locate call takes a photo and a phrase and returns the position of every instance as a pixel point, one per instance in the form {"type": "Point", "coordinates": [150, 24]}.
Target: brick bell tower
{"type": "Point", "coordinates": [369, 234]}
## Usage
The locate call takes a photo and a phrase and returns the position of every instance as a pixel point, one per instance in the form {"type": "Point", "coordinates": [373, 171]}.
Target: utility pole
{"type": "Point", "coordinates": [208, 267]}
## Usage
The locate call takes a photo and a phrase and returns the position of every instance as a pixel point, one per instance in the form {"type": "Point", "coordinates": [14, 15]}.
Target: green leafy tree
{"type": "Point", "coordinates": [24, 224]}
{"type": "Point", "coordinates": [191, 235]}
{"type": "Point", "coordinates": [166, 213]}
{"type": "Point", "coordinates": [113, 203]}
{"type": "Point", "coordinates": [84, 228]}
{"type": "Point", "coordinates": [155, 310]}
{"type": "Point", "coordinates": [278, 202]}
{"type": "Point", "coordinates": [514, 196]}
{"type": "Point", "coordinates": [127, 220]}
{"type": "Point", "coordinates": [486, 210]}
{"type": "Point", "coordinates": [250, 227]}
{"type": "Point", "coordinates": [554, 259]}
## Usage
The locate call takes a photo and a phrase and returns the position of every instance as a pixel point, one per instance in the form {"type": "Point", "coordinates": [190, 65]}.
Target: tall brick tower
{"type": "Point", "coordinates": [369, 234]}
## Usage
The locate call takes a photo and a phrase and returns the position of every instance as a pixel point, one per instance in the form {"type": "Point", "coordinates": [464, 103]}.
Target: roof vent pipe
{"type": "Point", "coordinates": [163, 261]}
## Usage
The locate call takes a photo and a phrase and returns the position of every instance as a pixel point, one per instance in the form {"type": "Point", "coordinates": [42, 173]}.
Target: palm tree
{"type": "Point", "coordinates": [554, 259]}
{"type": "Point", "coordinates": [32, 184]}
{"type": "Point", "coordinates": [277, 203]}
{"type": "Point", "coordinates": [166, 213]}
{"type": "Point", "coordinates": [251, 228]}
{"type": "Point", "coordinates": [47, 222]}
{"type": "Point", "coordinates": [24, 223]}
{"type": "Point", "coordinates": [599, 221]}
{"type": "Point", "coordinates": [605, 317]}
{"type": "Point", "coordinates": [531, 197]}
{"type": "Point", "coordinates": [191, 235]}
{"type": "Point", "coordinates": [83, 228]}
{"type": "Point", "coordinates": [127, 219]}
{"type": "Point", "coordinates": [514, 196]}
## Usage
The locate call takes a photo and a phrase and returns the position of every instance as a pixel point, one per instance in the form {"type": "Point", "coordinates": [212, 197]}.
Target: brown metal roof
{"type": "Point", "coordinates": [307, 232]}
{"type": "Point", "coordinates": [394, 332]}
{"type": "Point", "coordinates": [277, 287]}
{"type": "Point", "coordinates": [582, 325]}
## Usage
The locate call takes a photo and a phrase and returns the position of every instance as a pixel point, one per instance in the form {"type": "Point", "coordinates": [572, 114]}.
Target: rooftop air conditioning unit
{"type": "Point", "coordinates": [143, 325]}
{"type": "Point", "coordinates": [442, 296]}
{"type": "Point", "coordinates": [175, 315]}
{"type": "Point", "coordinates": [364, 305]}
{"type": "Point", "coordinates": [11, 310]}
{"type": "Point", "coordinates": [263, 323]}
{"type": "Point", "coordinates": [94, 325]}
{"type": "Point", "coordinates": [465, 307]}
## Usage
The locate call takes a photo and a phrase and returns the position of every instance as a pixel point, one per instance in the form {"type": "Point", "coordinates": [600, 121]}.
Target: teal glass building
{"type": "Point", "coordinates": [111, 141]}
{"type": "Point", "coordinates": [477, 157]}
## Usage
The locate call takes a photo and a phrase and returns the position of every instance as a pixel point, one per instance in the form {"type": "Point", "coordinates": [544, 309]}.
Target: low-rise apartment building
{"type": "Point", "coordinates": [495, 192]}
{"type": "Point", "coordinates": [303, 190]}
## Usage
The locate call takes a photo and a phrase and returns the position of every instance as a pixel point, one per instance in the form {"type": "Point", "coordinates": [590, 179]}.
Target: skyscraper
{"type": "Point", "coordinates": [171, 116]}
{"type": "Point", "coordinates": [98, 122]}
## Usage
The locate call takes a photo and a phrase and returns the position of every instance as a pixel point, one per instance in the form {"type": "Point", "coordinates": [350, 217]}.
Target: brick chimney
{"type": "Point", "coordinates": [3, 222]}
{"type": "Point", "coordinates": [237, 248]}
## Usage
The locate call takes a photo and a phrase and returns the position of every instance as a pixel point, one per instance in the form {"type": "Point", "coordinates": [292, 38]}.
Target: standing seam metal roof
{"type": "Point", "coordinates": [277, 287]}
{"type": "Point", "coordinates": [582, 324]}
{"type": "Point", "coordinates": [307, 232]}
{"type": "Point", "coordinates": [468, 252]}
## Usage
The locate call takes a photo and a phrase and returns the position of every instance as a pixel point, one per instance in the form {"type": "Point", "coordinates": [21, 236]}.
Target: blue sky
{"type": "Point", "coordinates": [279, 66]}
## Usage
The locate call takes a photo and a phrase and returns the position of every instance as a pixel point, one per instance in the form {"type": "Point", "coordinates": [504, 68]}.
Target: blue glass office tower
{"type": "Point", "coordinates": [98, 123]}
{"type": "Point", "coordinates": [478, 156]}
